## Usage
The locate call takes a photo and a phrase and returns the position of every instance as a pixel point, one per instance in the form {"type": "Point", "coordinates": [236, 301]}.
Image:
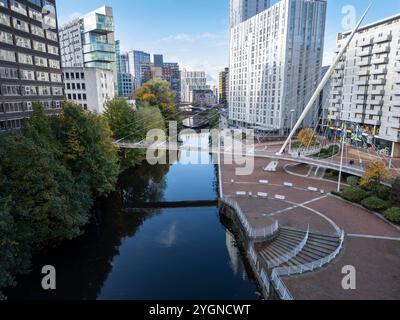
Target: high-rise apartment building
{"type": "Point", "coordinates": [158, 60]}
{"type": "Point", "coordinates": [136, 60]}
{"type": "Point", "coordinates": [223, 87]}
{"type": "Point", "coordinates": [30, 66]}
{"type": "Point", "coordinates": [241, 10]}
{"type": "Point", "coordinates": [88, 43]}
{"type": "Point", "coordinates": [126, 81]}
{"type": "Point", "coordinates": [169, 72]}
{"type": "Point", "coordinates": [192, 80]}
{"type": "Point", "coordinates": [366, 84]}
{"type": "Point", "coordinates": [275, 65]}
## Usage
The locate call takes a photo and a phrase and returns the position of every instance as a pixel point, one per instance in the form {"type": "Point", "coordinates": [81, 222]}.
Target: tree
{"type": "Point", "coordinates": [150, 118]}
{"type": "Point", "coordinates": [123, 123]}
{"type": "Point", "coordinates": [157, 93]}
{"type": "Point", "coordinates": [375, 174]}
{"type": "Point", "coordinates": [395, 192]}
{"type": "Point", "coordinates": [307, 137]}
{"type": "Point", "coordinates": [96, 162]}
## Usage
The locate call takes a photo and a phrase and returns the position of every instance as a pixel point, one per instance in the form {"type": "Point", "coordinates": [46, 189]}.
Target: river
{"type": "Point", "coordinates": [186, 253]}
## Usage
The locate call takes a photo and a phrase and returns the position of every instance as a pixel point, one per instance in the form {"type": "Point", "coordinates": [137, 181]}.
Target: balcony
{"type": "Point", "coordinates": [336, 91]}
{"type": "Point", "coordinates": [363, 62]}
{"type": "Point", "coordinates": [397, 69]}
{"type": "Point", "coordinates": [362, 82]}
{"type": "Point", "coordinates": [366, 52]}
{"type": "Point", "coordinates": [359, 101]}
{"type": "Point", "coordinates": [398, 57]}
{"type": "Point", "coordinates": [340, 66]}
{"type": "Point", "coordinates": [337, 83]}
{"type": "Point", "coordinates": [382, 49]}
{"type": "Point", "coordinates": [384, 38]}
{"type": "Point", "coordinates": [336, 100]}
{"type": "Point", "coordinates": [333, 109]}
{"type": "Point", "coordinates": [376, 92]}
{"type": "Point", "coordinates": [396, 102]}
{"type": "Point", "coordinates": [365, 42]}
{"type": "Point", "coordinates": [379, 71]}
{"type": "Point", "coordinates": [395, 125]}
{"type": "Point", "coordinates": [377, 82]}
{"type": "Point", "coordinates": [373, 122]}
{"type": "Point", "coordinates": [380, 60]}
{"type": "Point", "coordinates": [375, 112]}
{"type": "Point", "coordinates": [363, 72]}
{"type": "Point", "coordinates": [375, 102]}
{"type": "Point", "coordinates": [397, 80]}
{"type": "Point", "coordinates": [362, 91]}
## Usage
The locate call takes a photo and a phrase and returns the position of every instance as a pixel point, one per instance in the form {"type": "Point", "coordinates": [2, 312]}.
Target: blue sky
{"type": "Point", "coordinates": [195, 33]}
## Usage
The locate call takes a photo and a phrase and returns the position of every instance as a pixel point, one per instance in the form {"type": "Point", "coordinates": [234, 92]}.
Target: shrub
{"type": "Point", "coordinates": [383, 192]}
{"type": "Point", "coordinates": [393, 215]}
{"type": "Point", "coordinates": [375, 204]}
{"type": "Point", "coordinates": [395, 192]}
{"type": "Point", "coordinates": [353, 181]}
{"type": "Point", "coordinates": [354, 194]}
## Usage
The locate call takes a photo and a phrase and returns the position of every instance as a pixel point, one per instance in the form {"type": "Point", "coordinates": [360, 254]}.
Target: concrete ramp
{"type": "Point", "coordinates": [272, 166]}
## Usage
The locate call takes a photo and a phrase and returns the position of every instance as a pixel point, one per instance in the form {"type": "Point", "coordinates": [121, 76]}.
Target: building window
{"type": "Point", "coordinates": [6, 55]}
{"type": "Point", "coordinates": [6, 37]}
{"type": "Point", "coordinates": [23, 42]}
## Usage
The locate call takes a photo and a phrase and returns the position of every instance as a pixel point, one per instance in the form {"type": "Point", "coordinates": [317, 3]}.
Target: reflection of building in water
{"type": "Point", "coordinates": [234, 254]}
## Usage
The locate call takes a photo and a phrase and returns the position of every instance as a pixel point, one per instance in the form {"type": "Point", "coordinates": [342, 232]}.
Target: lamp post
{"type": "Point", "coordinates": [291, 126]}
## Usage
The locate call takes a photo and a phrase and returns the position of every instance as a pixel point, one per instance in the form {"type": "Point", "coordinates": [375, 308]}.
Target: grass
{"type": "Point", "coordinates": [327, 153]}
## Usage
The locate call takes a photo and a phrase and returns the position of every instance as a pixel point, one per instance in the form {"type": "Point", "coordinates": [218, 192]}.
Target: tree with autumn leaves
{"type": "Point", "coordinates": [157, 93]}
{"type": "Point", "coordinates": [375, 174]}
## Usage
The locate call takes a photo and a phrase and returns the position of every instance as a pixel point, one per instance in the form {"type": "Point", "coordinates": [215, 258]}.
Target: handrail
{"type": "Point", "coordinates": [291, 254]}
{"type": "Point", "coordinates": [277, 273]}
{"type": "Point", "coordinates": [251, 232]}
{"type": "Point", "coordinates": [261, 272]}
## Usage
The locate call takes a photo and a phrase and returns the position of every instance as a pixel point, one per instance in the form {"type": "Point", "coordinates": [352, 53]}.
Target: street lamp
{"type": "Point", "coordinates": [291, 127]}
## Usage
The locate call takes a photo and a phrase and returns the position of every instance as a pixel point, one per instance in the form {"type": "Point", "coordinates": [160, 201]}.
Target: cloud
{"type": "Point", "coordinates": [168, 236]}
{"type": "Point", "coordinates": [184, 37]}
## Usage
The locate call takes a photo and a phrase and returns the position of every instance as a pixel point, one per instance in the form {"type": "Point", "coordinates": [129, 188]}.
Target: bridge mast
{"type": "Point", "coordinates": [322, 84]}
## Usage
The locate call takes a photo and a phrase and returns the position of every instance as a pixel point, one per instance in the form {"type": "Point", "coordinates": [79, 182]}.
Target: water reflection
{"type": "Point", "coordinates": [149, 254]}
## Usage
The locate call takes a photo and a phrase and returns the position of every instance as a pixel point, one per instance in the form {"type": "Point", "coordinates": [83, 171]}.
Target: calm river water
{"type": "Point", "coordinates": [150, 254]}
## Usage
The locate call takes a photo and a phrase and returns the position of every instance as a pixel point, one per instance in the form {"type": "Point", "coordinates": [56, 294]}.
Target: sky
{"type": "Point", "coordinates": [195, 33]}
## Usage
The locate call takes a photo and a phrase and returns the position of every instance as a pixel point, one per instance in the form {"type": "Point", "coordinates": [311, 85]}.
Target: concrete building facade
{"type": "Point", "coordinates": [30, 65]}
{"type": "Point", "coordinates": [136, 59]}
{"type": "Point", "coordinates": [241, 10]}
{"type": "Point", "coordinates": [223, 89]}
{"type": "Point", "coordinates": [275, 65]}
{"type": "Point", "coordinates": [366, 84]}
{"type": "Point", "coordinates": [192, 80]}
{"type": "Point", "coordinates": [88, 42]}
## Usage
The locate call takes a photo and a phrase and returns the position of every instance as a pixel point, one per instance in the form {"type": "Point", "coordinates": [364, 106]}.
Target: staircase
{"type": "Point", "coordinates": [318, 246]}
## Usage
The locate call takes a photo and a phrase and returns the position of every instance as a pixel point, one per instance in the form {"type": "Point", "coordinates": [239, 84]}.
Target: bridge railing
{"type": "Point", "coordinates": [252, 233]}
{"type": "Point", "coordinates": [277, 273]}
{"type": "Point", "coordinates": [290, 255]}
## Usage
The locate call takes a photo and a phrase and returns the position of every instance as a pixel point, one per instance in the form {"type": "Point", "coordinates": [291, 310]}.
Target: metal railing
{"type": "Point", "coordinates": [261, 272]}
{"type": "Point", "coordinates": [277, 273]}
{"type": "Point", "coordinates": [252, 233]}
{"type": "Point", "coordinates": [290, 255]}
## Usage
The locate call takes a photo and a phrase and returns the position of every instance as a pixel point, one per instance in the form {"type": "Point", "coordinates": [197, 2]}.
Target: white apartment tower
{"type": "Point", "coordinates": [190, 81]}
{"type": "Point", "coordinates": [241, 10]}
{"type": "Point", "coordinates": [275, 65]}
{"type": "Point", "coordinates": [366, 84]}
{"type": "Point", "coordinates": [88, 59]}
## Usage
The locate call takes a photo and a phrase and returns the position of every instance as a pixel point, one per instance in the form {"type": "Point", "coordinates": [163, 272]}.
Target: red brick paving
{"type": "Point", "coordinates": [377, 261]}
{"type": "Point", "coordinates": [377, 274]}
{"type": "Point", "coordinates": [354, 220]}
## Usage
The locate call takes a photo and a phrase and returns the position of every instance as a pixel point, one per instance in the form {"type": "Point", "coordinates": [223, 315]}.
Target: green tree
{"type": "Point", "coordinates": [123, 123]}
{"type": "Point", "coordinates": [96, 164]}
{"type": "Point", "coordinates": [395, 192]}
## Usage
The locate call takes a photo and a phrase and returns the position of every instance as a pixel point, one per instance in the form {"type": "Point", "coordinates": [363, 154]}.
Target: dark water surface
{"type": "Point", "coordinates": [159, 254]}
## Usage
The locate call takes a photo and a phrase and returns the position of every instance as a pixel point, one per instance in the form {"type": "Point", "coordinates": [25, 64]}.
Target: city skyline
{"type": "Point", "coordinates": [197, 37]}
